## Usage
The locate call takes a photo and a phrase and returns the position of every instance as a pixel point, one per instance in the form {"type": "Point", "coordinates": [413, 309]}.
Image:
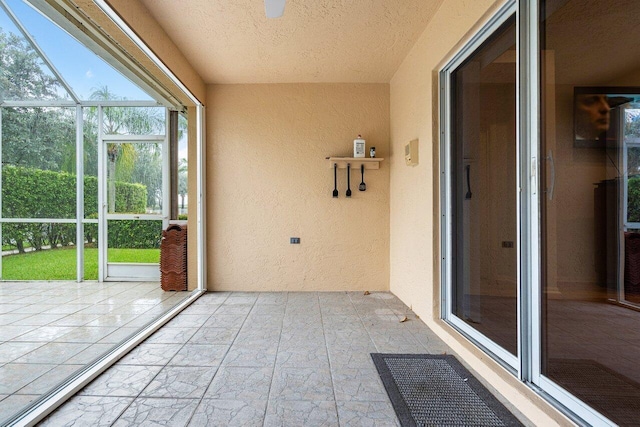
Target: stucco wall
{"type": "Point", "coordinates": [268, 180]}
{"type": "Point", "coordinates": [413, 189]}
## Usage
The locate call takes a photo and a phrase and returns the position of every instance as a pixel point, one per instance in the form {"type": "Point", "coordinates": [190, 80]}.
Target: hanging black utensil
{"type": "Point", "coordinates": [335, 180]}
{"type": "Point", "coordinates": [348, 179]}
{"type": "Point", "coordinates": [362, 186]}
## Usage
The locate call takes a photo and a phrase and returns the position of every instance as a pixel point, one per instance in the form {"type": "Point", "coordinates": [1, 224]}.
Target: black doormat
{"type": "Point", "coordinates": [436, 390]}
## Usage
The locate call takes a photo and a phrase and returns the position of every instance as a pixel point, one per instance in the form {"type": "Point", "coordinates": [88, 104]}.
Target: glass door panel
{"type": "Point", "coordinates": [134, 178]}
{"type": "Point", "coordinates": [590, 322]}
{"type": "Point", "coordinates": [483, 184]}
{"type": "Point", "coordinates": [135, 206]}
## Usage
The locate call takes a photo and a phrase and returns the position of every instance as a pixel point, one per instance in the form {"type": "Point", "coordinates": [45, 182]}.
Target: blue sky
{"type": "Point", "coordinates": [82, 69]}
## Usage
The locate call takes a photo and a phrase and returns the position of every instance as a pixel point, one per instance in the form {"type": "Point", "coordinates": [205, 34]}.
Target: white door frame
{"type": "Point", "coordinates": [123, 272]}
{"type": "Point", "coordinates": [503, 356]}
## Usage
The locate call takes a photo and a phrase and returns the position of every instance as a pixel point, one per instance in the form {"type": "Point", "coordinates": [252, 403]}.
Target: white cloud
{"type": "Point", "coordinates": [89, 74]}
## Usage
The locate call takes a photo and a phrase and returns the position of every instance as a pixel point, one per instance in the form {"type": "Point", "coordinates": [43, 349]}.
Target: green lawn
{"type": "Point", "coordinates": [60, 264]}
{"type": "Point", "coordinates": [132, 255]}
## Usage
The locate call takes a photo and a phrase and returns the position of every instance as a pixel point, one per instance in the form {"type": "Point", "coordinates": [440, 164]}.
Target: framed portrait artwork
{"type": "Point", "coordinates": [596, 114]}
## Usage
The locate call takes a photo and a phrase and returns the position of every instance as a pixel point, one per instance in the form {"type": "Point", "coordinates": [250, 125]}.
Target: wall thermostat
{"type": "Point", "coordinates": [411, 153]}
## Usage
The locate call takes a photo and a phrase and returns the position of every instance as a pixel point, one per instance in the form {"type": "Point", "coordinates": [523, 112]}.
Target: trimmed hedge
{"type": "Point", "coordinates": [36, 193]}
{"type": "Point", "coordinates": [128, 234]}
{"type": "Point", "coordinates": [633, 197]}
{"type": "Point", "coordinates": [134, 234]}
{"type": "Point", "coordinates": [130, 198]}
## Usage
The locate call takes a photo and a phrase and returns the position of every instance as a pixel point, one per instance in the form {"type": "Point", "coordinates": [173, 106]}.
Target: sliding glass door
{"type": "Point", "coordinates": [541, 203]}
{"type": "Point", "coordinates": [590, 136]}
{"type": "Point", "coordinates": [481, 170]}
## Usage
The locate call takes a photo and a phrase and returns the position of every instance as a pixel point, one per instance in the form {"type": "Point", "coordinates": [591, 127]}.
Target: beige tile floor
{"type": "Point", "coordinates": [272, 359]}
{"type": "Point", "coordinates": [243, 358]}
{"type": "Point", "coordinates": [49, 330]}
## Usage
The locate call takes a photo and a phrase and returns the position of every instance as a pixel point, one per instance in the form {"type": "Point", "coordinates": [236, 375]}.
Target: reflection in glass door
{"type": "Point", "coordinates": [580, 214]}
{"type": "Point", "coordinates": [590, 317]}
{"type": "Point", "coordinates": [483, 205]}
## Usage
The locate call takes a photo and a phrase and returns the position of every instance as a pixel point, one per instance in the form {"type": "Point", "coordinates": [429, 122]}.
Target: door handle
{"type": "Point", "coordinates": [468, 195]}
{"type": "Point", "coordinates": [552, 175]}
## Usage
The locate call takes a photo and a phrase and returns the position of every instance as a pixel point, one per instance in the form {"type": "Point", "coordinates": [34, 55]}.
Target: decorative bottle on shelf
{"type": "Point", "coordinates": [372, 152]}
{"type": "Point", "coordinates": [358, 147]}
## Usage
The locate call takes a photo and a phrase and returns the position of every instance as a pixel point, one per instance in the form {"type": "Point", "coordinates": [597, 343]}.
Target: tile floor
{"type": "Point", "coordinates": [272, 359]}
{"type": "Point", "coordinates": [49, 330]}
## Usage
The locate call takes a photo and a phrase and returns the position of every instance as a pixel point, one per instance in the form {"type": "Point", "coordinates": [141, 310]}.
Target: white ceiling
{"type": "Point", "coordinates": [346, 41]}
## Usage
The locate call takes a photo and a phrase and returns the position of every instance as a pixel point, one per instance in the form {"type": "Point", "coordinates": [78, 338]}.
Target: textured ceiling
{"type": "Point", "coordinates": [350, 41]}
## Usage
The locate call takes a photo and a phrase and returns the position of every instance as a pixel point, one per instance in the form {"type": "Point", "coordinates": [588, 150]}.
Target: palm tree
{"type": "Point", "coordinates": [182, 181]}
{"type": "Point", "coordinates": [122, 157]}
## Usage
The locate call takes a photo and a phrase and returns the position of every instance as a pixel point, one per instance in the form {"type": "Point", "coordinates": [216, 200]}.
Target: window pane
{"type": "Point", "coordinates": [25, 76]}
{"type": "Point", "coordinates": [134, 172]}
{"type": "Point", "coordinates": [134, 241]}
{"type": "Point", "coordinates": [38, 163]}
{"type": "Point", "coordinates": [134, 120]}
{"type": "Point", "coordinates": [484, 183]}
{"type": "Point", "coordinates": [32, 251]}
{"type": "Point", "coordinates": [633, 184]}
{"type": "Point", "coordinates": [91, 251]}
{"type": "Point", "coordinates": [90, 153]}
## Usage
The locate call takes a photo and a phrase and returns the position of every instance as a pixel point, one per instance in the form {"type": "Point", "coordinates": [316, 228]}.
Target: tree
{"type": "Point", "coordinates": [22, 73]}
{"type": "Point", "coordinates": [182, 181]}
{"type": "Point", "coordinates": [130, 162]}
{"type": "Point", "coordinates": [148, 171]}
{"type": "Point", "coordinates": [40, 137]}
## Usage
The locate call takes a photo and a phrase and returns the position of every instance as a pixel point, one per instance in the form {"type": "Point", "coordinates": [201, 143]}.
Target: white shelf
{"type": "Point", "coordinates": [355, 162]}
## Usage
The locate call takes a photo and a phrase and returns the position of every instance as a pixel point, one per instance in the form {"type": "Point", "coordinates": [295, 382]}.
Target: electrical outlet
{"type": "Point", "coordinates": [507, 244]}
{"type": "Point", "coordinates": [294, 240]}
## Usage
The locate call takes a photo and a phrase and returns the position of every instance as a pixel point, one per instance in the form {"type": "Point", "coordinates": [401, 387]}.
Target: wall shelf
{"type": "Point", "coordinates": [368, 162]}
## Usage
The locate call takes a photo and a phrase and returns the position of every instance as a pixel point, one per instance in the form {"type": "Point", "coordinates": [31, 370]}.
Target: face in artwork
{"type": "Point", "coordinates": [592, 115]}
